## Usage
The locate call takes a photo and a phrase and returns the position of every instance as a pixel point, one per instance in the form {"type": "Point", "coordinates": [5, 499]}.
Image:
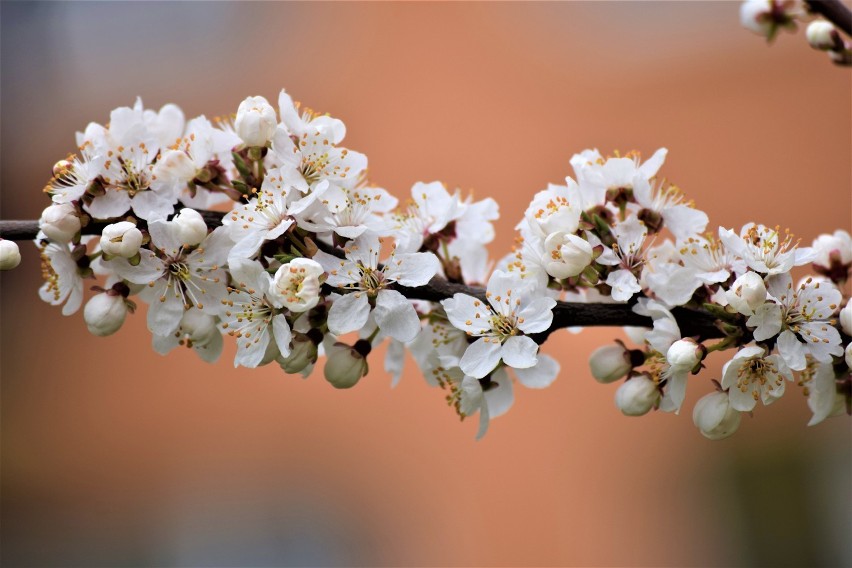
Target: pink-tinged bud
{"type": "Point", "coordinates": [684, 355]}
{"type": "Point", "coordinates": [610, 363]}
{"type": "Point", "coordinates": [191, 229]}
{"type": "Point", "coordinates": [344, 366]}
{"type": "Point", "coordinates": [10, 255]}
{"type": "Point", "coordinates": [256, 121]}
{"type": "Point", "coordinates": [60, 222]}
{"type": "Point", "coordinates": [822, 35]}
{"type": "Point", "coordinates": [747, 293]}
{"type": "Point", "coordinates": [637, 396]}
{"type": "Point", "coordinates": [714, 416]}
{"type": "Point", "coordinates": [121, 239]}
{"type": "Point", "coordinates": [104, 314]}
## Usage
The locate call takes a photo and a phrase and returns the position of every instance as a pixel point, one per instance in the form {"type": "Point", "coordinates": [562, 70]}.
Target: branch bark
{"type": "Point", "coordinates": [692, 322]}
{"type": "Point", "coordinates": [834, 11]}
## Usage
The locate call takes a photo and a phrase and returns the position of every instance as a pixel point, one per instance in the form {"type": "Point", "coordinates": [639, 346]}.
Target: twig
{"type": "Point", "coordinates": [834, 11]}
{"type": "Point", "coordinates": [692, 323]}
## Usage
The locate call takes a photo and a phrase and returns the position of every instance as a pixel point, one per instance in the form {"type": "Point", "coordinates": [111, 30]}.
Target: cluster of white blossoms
{"type": "Point", "coordinates": [307, 263]}
{"type": "Point", "coordinates": [768, 17]}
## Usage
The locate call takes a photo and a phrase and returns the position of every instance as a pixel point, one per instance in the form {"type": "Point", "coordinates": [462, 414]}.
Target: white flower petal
{"type": "Point", "coordinates": [395, 316]}
{"type": "Point", "coordinates": [348, 313]}
{"type": "Point", "coordinates": [541, 375]}
{"type": "Point", "coordinates": [282, 334]}
{"type": "Point", "coordinates": [519, 352]}
{"type": "Point", "coordinates": [480, 358]}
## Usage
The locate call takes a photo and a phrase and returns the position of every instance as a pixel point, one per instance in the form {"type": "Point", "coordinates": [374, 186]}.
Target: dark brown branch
{"type": "Point", "coordinates": [834, 11]}
{"type": "Point", "coordinates": [692, 323]}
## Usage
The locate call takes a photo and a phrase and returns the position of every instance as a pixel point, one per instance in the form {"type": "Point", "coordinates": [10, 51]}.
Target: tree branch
{"type": "Point", "coordinates": [834, 11]}
{"type": "Point", "coordinates": [692, 323]}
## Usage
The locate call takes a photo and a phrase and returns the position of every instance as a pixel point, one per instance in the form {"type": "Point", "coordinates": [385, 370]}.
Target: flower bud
{"type": "Point", "coordinates": [60, 222]}
{"type": "Point", "coordinates": [296, 285]}
{"type": "Point", "coordinates": [848, 356]}
{"type": "Point", "coordinates": [10, 255]}
{"type": "Point", "coordinates": [345, 366]}
{"type": "Point", "coordinates": [821, 35]}
{"type": "Point", "coordinates": [637, 396]}
{"type": "Point", "coordinates": [833, 250]}
{"type": "Point", "coordinates": [747, 293]}
{"type": "Point", "coordinates": [610, 363]}
{"type": "Point", "coordinates": [684, 355]}
{"type": "Point", "coordinates": [191, 229]}
{"type": "Point", "coordinates": [846, 318]}
{"type": "Point", "coordinates": [566, 255]}
{"type": "Point", "coordinates": [200, 327]}
{"type": "Point", "coordinates": [765, 17]}
{"type": "Point", "coordinates": [121, 239]}
{"type": "Point", "coordinates": [302, 354]}
{"type": "Point", "coordinates": [105, 314]}
{"type": "Point", "coordinates": [256, 121]}
{"type": "Point", "coordinates": [714, 416]}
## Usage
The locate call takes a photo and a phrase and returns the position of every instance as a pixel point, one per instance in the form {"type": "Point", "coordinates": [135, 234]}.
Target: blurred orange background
{"type": "Point", "coordinates": [115, 456]}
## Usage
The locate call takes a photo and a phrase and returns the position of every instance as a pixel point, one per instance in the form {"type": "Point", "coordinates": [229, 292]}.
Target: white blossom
{"type": "Point", "coordinates": [296, 285]}
{"type": "Point", "coordinates": [628, 255]}
{"type": "Point", "coordinates": [511, 310]}
{"type": "Point", "coordinates": [752, 375]}
{"type": "Point", "coordinates": [566, 255]}
{"type": "Point", "coordinates": [197, 331]}
{"type": "Point", "coordinates": [764, 249]}
{"type": "Point", "coordinates": [802, 318]}
{"type": "Point", "coordinates": [63, 283]}
{"type": "Point", "coordinates": [369, 288]}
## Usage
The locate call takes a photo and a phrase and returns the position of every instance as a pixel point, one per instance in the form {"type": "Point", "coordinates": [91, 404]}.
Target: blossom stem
{"type": "Point", "coordinates": [692, 322]}
{"type": "Point", "coordinates": [834, 11]}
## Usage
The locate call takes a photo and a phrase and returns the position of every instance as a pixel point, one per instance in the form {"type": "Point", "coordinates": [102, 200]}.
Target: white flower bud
{"type": "Point", "coordinates": [256, 121]}
{"type": "Point", "coordinates": [637, 396]}
{"type": "Point", "coordinates": [820, 34]}
{"type": "Point", "coordinates": [755, 15]}
{"type": "Point", "coordinates": [60, 222]}
{"type": "Point", "coordinates": [714, 416]}
{"type": "Point", "coordinates": [199, 326]}
{"type": "Point", "coordinates": [296, 285]}
{"type": "Point", "coordinates": [684, 355]}
{"type": "Point", "coordinates": [10, 255]}
{"type": "Point", "coordinates": [747, 293]}
{"type": "Point", "coordinates": [345, 366]}
{"type": "Point", "coordinates": [566, 255]}
{"type": "Point", "coordinates": [121, 239]}
{"type": "Point", "coordinates": [846, 318]}
{"type": "Point", "coordinates": [610, 363]}
{"type": "Point", "coordinates": [191, 229]}
{"type": "Point", "coordinates": [105, 314]}
{"type": "Point", "coordinates": [849, 356]}
{"type": "Point", "coordinates": [302, 354]}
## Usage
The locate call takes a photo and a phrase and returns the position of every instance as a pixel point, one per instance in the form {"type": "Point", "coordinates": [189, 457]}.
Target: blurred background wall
{"type": "Point", "coordinates": [115, 456]}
